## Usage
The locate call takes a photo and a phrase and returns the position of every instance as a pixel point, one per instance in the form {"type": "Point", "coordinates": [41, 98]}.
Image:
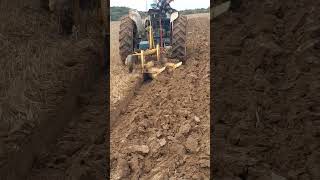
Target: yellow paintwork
{"type": "Point", "coordinates": [154, 72]}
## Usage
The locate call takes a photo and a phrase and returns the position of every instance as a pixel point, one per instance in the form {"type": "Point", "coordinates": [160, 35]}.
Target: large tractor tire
{"type": "Point", "coordinates": [127, 37]}
{"type": "Point", "coordinates": [179, 38]}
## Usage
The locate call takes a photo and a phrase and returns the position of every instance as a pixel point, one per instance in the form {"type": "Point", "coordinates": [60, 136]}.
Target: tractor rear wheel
{"type": "Point", "coordinates": [127, 36]}
{"type": "Point", "coordinates": [179, 38]}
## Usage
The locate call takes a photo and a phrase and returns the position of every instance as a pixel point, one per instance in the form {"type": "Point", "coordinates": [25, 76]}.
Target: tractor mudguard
{"type": "Point", "coordinates": [174, 16]}
{"type": "Point", "coordinates": [135, 16]}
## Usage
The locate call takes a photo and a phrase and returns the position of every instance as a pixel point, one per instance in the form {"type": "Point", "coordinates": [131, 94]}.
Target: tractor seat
{"type": "Point", "coordinates": [154, 11]}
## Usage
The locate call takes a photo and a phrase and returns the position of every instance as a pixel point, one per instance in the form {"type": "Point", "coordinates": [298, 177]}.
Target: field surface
{"type": "Point", "coordinates": [164, 131]}
{"type": "Point", "coordinates": [38, 66]}
{"type": "Point", "coordinates": [266, 91]}
{"type": "Point", "coordinates": [120, 80]}
{"type": "Point", "coordinates": [39, 80]}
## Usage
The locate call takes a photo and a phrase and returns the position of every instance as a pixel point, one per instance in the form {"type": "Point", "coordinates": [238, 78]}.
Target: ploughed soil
{"type": "Point", "coordinates": [37, 67]}
{"type": "Point", "coordinates": [164, 132]}
{"type": "Point", "coordinates": [266, 91]}
{"type": "Point", "coordinates": [80, 151]}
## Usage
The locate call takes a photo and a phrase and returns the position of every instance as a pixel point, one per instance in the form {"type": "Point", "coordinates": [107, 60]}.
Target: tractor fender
{"type": "Point", "coordinates": [174, 16]}
{"type": "Point", "coordinates": [135, 16]}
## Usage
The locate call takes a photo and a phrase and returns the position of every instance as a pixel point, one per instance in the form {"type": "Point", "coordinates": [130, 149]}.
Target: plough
{"type": "Point", "coordinates": [148, 67]}
{"type": "Point", "coordinates": [147, 42]}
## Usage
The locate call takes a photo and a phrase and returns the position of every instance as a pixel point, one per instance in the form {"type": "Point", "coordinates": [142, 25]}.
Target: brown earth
{"type": "Point", "coordinates": [80, 151]}
{"type": "Point", "coordinates": [38, 68]}
{"type": "Point", "coordinates": [266, 91]}
{"type": "Point", "coordinates": [165, 130]}
{"type": "Point", "coordinates": [121, 82]}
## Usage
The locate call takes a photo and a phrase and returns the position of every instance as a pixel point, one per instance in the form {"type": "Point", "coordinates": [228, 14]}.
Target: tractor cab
{"type": "Point", "coordinates": [160, 23]}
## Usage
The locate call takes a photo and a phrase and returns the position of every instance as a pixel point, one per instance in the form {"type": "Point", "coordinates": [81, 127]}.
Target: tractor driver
{"type": "Point", "coordinates": [164, 6]}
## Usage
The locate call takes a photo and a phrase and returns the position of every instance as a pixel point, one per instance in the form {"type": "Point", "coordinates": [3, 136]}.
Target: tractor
{"type": "Point", "coordinates": [159, 35]}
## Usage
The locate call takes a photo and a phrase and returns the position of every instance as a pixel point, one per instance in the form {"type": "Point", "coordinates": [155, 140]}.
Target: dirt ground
{"type": "Point", "coordinates": [80, 152]}
{"type": "Point", "coordinates": [266, 91]}
{"type": "Point", "coordinates": [37, 65]}
{"type": "Point", "coordinates": [37, 68]}
{"type": "Point", "coordinates": [165, 130]}
{"type": "Point", "coordinates": [120, 80]}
